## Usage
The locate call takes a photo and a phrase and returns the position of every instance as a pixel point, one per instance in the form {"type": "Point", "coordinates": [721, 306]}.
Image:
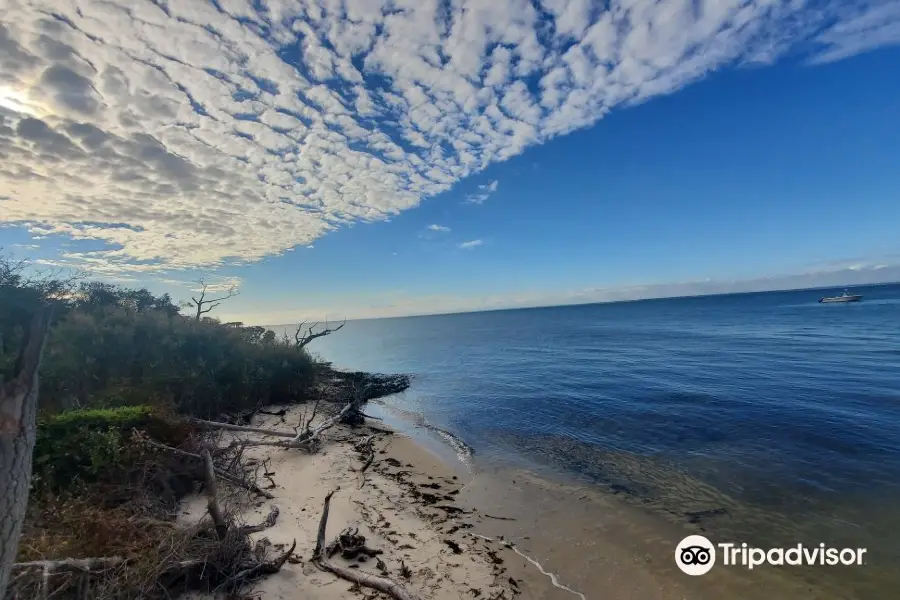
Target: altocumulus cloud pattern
{"type": "Point", "coordinates": [184, 133]}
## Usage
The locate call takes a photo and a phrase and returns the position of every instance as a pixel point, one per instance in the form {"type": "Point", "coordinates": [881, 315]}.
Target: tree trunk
{"type": "Point", "coordinates": [18, 407]}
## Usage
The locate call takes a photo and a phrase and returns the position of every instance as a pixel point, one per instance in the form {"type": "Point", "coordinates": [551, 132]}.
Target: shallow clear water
{"type": "Point", "coordinates": [781, 412]}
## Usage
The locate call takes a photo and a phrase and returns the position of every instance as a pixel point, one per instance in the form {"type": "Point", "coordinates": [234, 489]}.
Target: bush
{"type": "Point", "coordinates": [114, 346]}
{"type": "Point", "coordinates": [203, 368]}
{"type": "Point", "coordinates": [90, 446]}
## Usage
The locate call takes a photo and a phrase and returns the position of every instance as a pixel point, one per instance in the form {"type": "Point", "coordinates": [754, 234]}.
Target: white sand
{"type": "Point", "coordinates": [385, 510]}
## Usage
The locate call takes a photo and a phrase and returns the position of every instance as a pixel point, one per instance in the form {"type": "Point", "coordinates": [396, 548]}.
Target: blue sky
{"type": "Point", "coordinates": [353, 159]}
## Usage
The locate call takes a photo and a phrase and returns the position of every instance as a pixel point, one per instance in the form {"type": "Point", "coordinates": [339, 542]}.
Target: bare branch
{"type": "Point", "coordinates": [308, 424]}
{"type": "Point", "coordinates": [71, 564]}
{"type": "Point", "coordinates": [302, 338]}
{"type": "Point", "coordinates": [243, 428]}
{"type": "Point", "coordinates": [381, 584]}
{"type": "Point", "coordinates": [212, 502]}
{"type": "Point", "coordinates": [204, 305]}
{"type": "Point", "coordinates": [233, 479]}
{"type": "Point", "coordinates": [308, 436]}
{"type": "Point", "coordinates": [368, 451]}
{"type": "Point", "coordinates": [269, 522]}
{"type": "Point", "coordinates": [307, 445]}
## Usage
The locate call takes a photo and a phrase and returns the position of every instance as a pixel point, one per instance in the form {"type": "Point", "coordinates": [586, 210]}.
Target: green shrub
{"type": "Point", "coordinates": [113, 346]}
{"type": "Point", "coordinates": [203, 368]}
{"type": "Point", "coordinates": [92, 445]}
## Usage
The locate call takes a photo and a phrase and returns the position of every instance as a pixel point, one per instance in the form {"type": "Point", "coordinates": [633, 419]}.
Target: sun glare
{"type": "Point", "coordinates": [18, 101]}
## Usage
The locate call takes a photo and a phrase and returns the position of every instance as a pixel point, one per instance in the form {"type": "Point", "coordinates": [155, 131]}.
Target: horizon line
{"type": "Point", "coordinates": [623, 301]}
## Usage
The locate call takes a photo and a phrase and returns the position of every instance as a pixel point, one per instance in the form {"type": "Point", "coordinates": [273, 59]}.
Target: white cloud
{"type": "Point", "coordinates": [196, 134]}
{"type": "Point", "coordinates": [484, 192]}
{"type": "Point", "coordinates": [862, 28]}
{"type": "Point", "coordinates": [217, 285]}
{"type": "Point", "coordinates": [440, 228]}
{"type": "Point", "coordinates": [471, 244]}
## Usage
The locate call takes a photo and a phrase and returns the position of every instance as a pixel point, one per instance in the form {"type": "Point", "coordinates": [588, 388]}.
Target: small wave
{"type": "Point", "coordinates": [464, 452]}
{"type": "Point", "coordinates": [554, 580]}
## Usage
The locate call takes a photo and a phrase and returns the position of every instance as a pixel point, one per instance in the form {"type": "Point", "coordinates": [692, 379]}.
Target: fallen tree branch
{"type": "Point", "coordinates": [377, 429]}
{"type": "Point", "coordinates": [326, 424]}
{"type": "Point", "coordinates": [307, 435]}
{"type": "Point", "coordinates": [323, 523]}
{"type": "Point", "coordinates": [381, 584]}
{"type": "Point", "coordinates": [305, 423]}
{"type": "Point", "coordinates": [244, 428]}
{"type": "Point", "coordinates": [212, 504]}
{"type": "Point", "coordinates": [307, 445]}
{"type": "Point", "coordinates": [82, 565]}
{"type": "Point", "coordinates": [277, 413]}
{"type": "Point", "coordinates": [254, 572]}
{"type": "Point", "coordinates": [269, 522]}
{"type": "Point", "coordinates": [366, 449]}
{"type": "Point", "coordinates": [252, 487]}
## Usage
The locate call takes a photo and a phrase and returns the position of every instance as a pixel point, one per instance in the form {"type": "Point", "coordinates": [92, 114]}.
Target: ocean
{"type": "Point", "coordinates": [766, 418]}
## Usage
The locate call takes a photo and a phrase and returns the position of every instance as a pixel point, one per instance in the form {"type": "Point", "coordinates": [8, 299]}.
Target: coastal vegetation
{"type": "Point", "coordinates": [133, 398]}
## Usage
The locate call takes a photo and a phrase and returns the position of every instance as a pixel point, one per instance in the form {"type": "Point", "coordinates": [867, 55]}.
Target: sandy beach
{"type": "Point", "coordinates": [404, 504]}
{"type": "Point", "coordinates": [445, 532]}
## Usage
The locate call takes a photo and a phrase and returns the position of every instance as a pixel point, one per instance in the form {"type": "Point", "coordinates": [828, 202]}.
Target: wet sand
{"type": "Point", "coordinates": [605, 537]}
{"type": "Point", "coordinates": [502, 533]}
{"type": "Point", "coordinates": [603, 547]}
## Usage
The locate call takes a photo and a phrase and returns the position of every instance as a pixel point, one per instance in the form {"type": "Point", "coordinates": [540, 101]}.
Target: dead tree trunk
{"type": "Point", "coordinates": [381, 584]}
{"type": "Point", "coordinates": [18, 407]}
{"type": "Point", "coordinates": [204, 304]}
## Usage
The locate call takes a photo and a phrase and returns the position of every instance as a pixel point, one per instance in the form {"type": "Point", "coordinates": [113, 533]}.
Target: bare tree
{"type": "Point", "coordinates": [302, 338]}
{"type": "Point", "coordinates": [204, 305]}
{"type": "Point", "coordinates": [18, 407]}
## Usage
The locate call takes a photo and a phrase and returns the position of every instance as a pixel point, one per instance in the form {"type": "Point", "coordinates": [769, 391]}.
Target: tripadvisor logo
{"type": "Point", "coordinates": [696, 555]}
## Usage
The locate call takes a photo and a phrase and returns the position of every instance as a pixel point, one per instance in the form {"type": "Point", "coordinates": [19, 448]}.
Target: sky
{"type": "Point", "coordinates": [364, 158]}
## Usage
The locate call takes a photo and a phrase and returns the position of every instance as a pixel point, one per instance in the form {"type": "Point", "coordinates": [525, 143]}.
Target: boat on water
{"type": "Point", "coordinates": [845, 297]}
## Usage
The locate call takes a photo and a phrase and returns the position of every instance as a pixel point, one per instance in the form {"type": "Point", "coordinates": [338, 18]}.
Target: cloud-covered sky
{"type": "Point", "coordinates": [169, 136]}
{"type": "Point", "coordinates": [194, 134]}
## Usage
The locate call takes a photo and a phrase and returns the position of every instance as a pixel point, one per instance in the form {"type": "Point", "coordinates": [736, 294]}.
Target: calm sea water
{"type": "Point", "coordinates": [779, 415]}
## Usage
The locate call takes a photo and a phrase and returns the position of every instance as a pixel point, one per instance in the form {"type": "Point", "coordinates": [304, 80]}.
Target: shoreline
{"type": "Point", "coordinates": [621, 530]}
{"type": "Point", "coordinates": [404, 504]}
{"type": "Point", "coordinates": [467, 533]}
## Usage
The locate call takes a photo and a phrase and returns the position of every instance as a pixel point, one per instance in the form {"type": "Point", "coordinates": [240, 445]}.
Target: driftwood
{"type": "Point", "coordinates": [350, 544]}
{"type": "Point", "coordinates": [310, 435]}
{"type": "Point", "coordinates": [212, 503]}
{"type": "Point", "coordinates": [308, 445]}
{"type": "Point", "coordinates": [256, 571]}
{"type": "Point", "coordinates": [305, 423]}
{"type": "Point", "coordinates": [368, 451]}
{"type": "Point", "coordinates": [298, 440]}
{"type": "Point", "coordinates": [241, 428]}
{"type": "Point", "coordinates": [277, 413]}
{"type": "Point", "coordinates": [381, 584]}
{"type": "Point", "coordinates": [269, 522]}
{"type": "Point", "coordinates": [81, 565]}
{"type": "Point", "coordinates": [252, 487]}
